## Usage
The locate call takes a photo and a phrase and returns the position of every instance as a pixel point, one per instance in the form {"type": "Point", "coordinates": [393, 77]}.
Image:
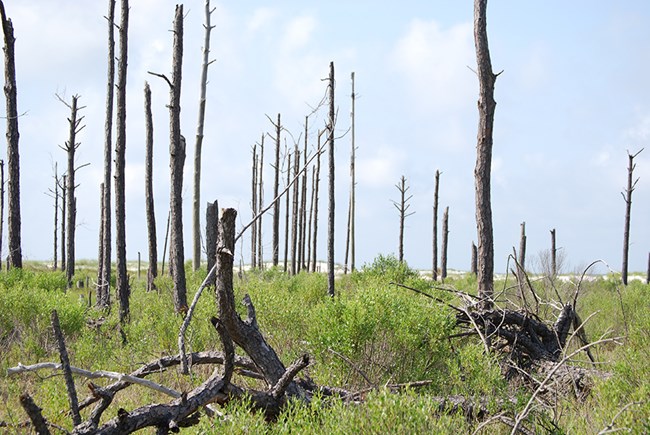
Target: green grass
{"type": "Point", "coordinates": [371, 334]}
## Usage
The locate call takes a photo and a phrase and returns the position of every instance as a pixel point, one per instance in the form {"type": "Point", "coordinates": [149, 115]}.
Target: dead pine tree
{"type": "Point", "coordinates": [152, 271]}
{"type": "Point", "coordinates": [260, 205]}
{"type": "Point", "coordinates": [553, 255]}
{"type": "Point", "coordinates": [314, 239]}
{"type": "Point", "coordinates": [104, 260]}
{"type": "Point", "coordinates": [294, 212]}
{"type": "Point", "coordinates": [15, 258]}
{"type": "Point", "coordinates": [482, 170]}
{"type": "Point", "coordinates": [310, 218]}
{"type": "Point", "coordinates": [627, 197]}
{"type": "Point", "coordinates": [211, 234]}
{"type": "Point", "coordinates": [122, 280]}
{"type": "Point", "coordinates": [64, 187]}
{"type": "Point", "coordinates": [2, 210]}
{"type": "Point", "coordinates": [196, 197]}
{"type": "Point", "coordinates": [254, 209]}
{"type": "Point", "coordinates": [286, 217]}
{"type": "Point", "coordinates": [349, 243]}
{"type": "Point", "coordinates": [331, 201]}
{"type": "Point", "coordinates": [445, 244]}
{"type": "Point", "coordinates": [276, 187]}
{"type": "Point", "coordinates": [302, 216]}
{"type": "Point", "coordinates": [70, 147]}
{"type": "Point", "coordinates": [473, 265]}
{"type": "Point", "coordinates": [402, 207]}
{"type": "Point", "coordinates": [54, 194]}
{"type": "Point", "coordinates": [434, 266]}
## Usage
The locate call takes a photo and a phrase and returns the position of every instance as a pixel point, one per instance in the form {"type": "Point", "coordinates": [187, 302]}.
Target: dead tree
{"type": "Point", "coordinates": [196, 197]}
{"type": "Point", "coordinates": [310, 218]}
{"type": "Point", "coordinates": [302, 205]}
{"type": "Point", "coordinates": [260, 205]}
{"type": "Point", "coordinates": [64, 188]}
{"type": "Point", "coordinates": [122, 280]}
{"type": "Point", "coordinates": [100, 254]}
{"type": "Point", "coordinates": [351, 218]}
{"type": "Point", "coordinates": [276, 206]}
{"type": "Point", "coordinates": [482, 171]}
{"type": "Point", "coordinates": [434, 266]}
{"type": "Point", "coordinates": [70, 147]}
{"type": "Point", "coordinates": [286, 217]}
{"type": "Point", "coordinates": [294, 212]}
{"type": "Point", "coordinates": [473, 267]}
{"type": "Point", "coordinates": [152, 271]}
{"type": "Point", "coordinates": [330, 209]}
{"type": "Point", "coordinates": [104, 261]}
{"type": "Point", "coordinates": [553, 255]}
{"type": "Point", "coordinates": [2, 210]}
{"type": "Point", "coordinates": [15, 258]}
{"type": "Point", "coordinates": [627, 197]}
{"type": "Point", "coordinates": [55, 194]}
{"type": "Point", "coordinates": [211, 232]}
{"type": "Point", "coordinates": [254, 209]}
{"type": "Point", "coordinates": [402, 207]}
{"type": "Point", "coordinates": [445, 244]}
{"type": "Point", "coordinates": [522, 247]}
{"type": "Point", "coordinates": [647, 276]}
{"type": "Point", "coordinates": [314, 239]}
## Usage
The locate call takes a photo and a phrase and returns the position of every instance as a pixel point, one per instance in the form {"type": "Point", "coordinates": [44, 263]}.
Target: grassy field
{"type": "Point", "coordinates": [371, 334]}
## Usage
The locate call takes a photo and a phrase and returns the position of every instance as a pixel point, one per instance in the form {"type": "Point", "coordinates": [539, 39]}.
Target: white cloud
{"type": "Point", "coordinates": [381, 169]}
{"type": "Point", "coordinates": [641, 130]}
{"type": "Point", "coordinates": [298, 33]}
{"type": "Point", "coordinates": [262, 17]}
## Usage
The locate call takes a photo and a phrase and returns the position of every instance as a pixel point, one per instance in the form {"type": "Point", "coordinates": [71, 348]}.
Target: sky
{"type": "Point", "coordinates": [572, 99]}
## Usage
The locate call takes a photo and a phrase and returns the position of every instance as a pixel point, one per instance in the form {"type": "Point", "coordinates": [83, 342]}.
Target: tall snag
{"type": "Point", "coordinates": [445, 244]}
{"type": "Point", "coordinates": [482, 170]}
{"type": "Point", "coordinates": [276, 187]}
{"type": "Point", "coordinates": [627, 197]}
{"type": "Point", "coordinates": [330, 209]}
{"type": "Point", "coordinates": [2, 211]}
{"type": "Point", "coordinates": [434, 266]}
{"type": "Point", "coordinates": [402, 207]}
{"type": "Point", "coordinates": [15, 258]}
{"type": "Point", "coordinates": [152, 271]}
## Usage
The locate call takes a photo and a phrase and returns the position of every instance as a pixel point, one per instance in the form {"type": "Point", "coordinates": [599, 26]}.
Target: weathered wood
{"type": "Point", "coordinates": [65, 365]}
{"type": "Point", "coordinates": [152, 271]}
{"type": "Point", "coordinates": [34, 413]}
{"type": "Point", "coordinates": [331, 193]}
{"type": "Point", "coordinates": [445, 244]}
{"type": "Point", "coordinates": [434, 265]}
{"type": "Point", "coordinates": [211, 231]}
{"type": "Point", "coordinates": [627, 197]}
{"type": "Point", "coordinates": [276, 189]}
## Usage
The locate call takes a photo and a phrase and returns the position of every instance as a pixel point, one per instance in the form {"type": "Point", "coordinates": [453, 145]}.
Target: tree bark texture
{"type": "Point", "coordinates": [64, 187]}
{"type": "Point", "coordinates": [15, 258]}
{"type": "Point", "coordinates": [331, 203]}
{"type": "Point", "coordinates": [286, 217]}
{"type": "Point", "coordinates": [628, 209]}
{"type": "Point", "coordinates": [294, 212]}
{"type": "Point", "coordinates": [445, 244]}
{"type": "Point", "coordinates": [100, 246]}
{"type": "Point", "coordinates": [122, 279]}
{"type": "Point", "coordinates": [522, 249]}
{"type": "Point", "coordinates": [196, 197]}
{"type": "Point", "coordinates": [65, 364]}
{"type": "Point", "coordinates": [402, 207]}
{"type": "Point", "coordinates": [254, 209]}
{"type": "Point", "coordinates": [211, 233]}
{"type": "Point", "coordinates": [260, 206]}
{"type": "Point", "coordinates": [104, 275]}
{"type": "Point", "coordinates": [482, 170]}
{"type": "Point", "coordinates": [276, 189]}
{"type": "Point", "coordinates": [474, 266]}
{"type": "Point", "coordinates": [152, 271]}
{"type": "Point", "coordinates": [2, 211]}
{"type": "Point", "coordinates": [177, 161]}
{"type": "Point", "coordinates": [70, 148]}
{"type": "Point", "coordinates": [553, 255]}
{"type": "Point", "coordinates": [314, 239]}
{"type": "Point", "coordinates": [434, 266]}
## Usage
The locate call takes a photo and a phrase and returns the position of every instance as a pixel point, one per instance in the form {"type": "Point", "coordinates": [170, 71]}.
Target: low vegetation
{"type": "Point", "coordinates": [373, 339]}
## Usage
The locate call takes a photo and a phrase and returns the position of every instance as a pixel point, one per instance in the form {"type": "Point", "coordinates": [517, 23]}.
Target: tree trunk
{"type": "Point", "coordinates": [177, 161]}
{"type": "Point", "coordinates": [522, 249]}
{"type": "Point", "coordinates": [314, 239]}
{"type": "Point", "coordinates": [196, 198]}
{"type": "Point", "coordinates": [310, 219]}
{"type": "Point", "coordinates": [486, 107]}
{"type": "Point", "coordinates": [353, 184]}
{"type": "Point", "coordinates": [70, 147]}
{"type": "Point", "coordinates": [294, 213]}
{"type": "Point", "coordinates": [122, 280]}
{"type": "Point", "coordinates": [64, 187]}
{"type": "Point", "coordinates": [434, 267]}
{"type": "Point", "coordinates": [286, 217]}
{"type": "Point", "coordinates": [152, 271]}
{"type": "Point", "coordinates": [647, 276]}
{"type": "Point", "coordinates": [55, 265]}
{"type": "Point", "coordinates": [100, 245]}
{"type": "Point", "coordinates": [15, 258]}
{"type": "Point", "coordinates": [553, 255]}
{"type": "Point", "coordinates": [627, 196]}
{"type": "Point", "coordinates": [473, 267]}
{"type": "Point", "coordinates": [303, 205]}
{"type": "Point", "coordinates": [276, 206]}
{"type": "Point", "coordinates": [260, 206]}
{"type": "Point", "coordinates": [104, 274]}
{"type": "Point", "coordinates": [2, 211]}
{"type": "Point", "coordinates": [211, 234]}
{"type": "Point", "coordinates": [402, 207]}
{"type": "Point", "coordinates": [254, 209]}
{"type": "Point", "coordinates": [445, 244]}
{"type": "Point", "coordinates": [330, 208]}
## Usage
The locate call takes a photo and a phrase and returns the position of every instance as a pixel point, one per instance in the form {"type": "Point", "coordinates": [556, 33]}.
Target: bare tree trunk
{"type": "Point", "coordinates": [522, 248]}
{"type": "Point", "coordinates": [211, 234]}
{"type": "Point", "coordinates": [553, 255]}
{"type": "Point", "coordinates": [100, 246]}
{"type": "Point", "coordinates": [486, 107]}
{"type": "Point", "coordinates": [276, 206]}
{"type": "Point", "coordinates": [314, 240]}
{"type": "Point", "coordinates": [152, 271]}
{"type": "Point", "coordinates": [294, 212]}
{"type": "Point", "coordinates": [330, 211]}
{"type": "Point", "coordinates": [55, 265]}
{"type": "Point", "coordinates": [254, 209]}
{"type": "Point", "coordinates": [104, 273]}
{"type": "Point", "coordinates": [64, 187]}
{"type": "Point", "coordinates": [647, 276]}
{"type": "Point", "coordinates": [627, 197]}
{"type": "Point", "coordinates": [445, 244]}
{"type": "Point", "coordinates": [177, 156]}
{"type": "Point", "coordinates": [196, 198]}
{"type": "Point", "coordinates": [2, 211]}
{"type": "Point", "coordinates": [311, 218]}
{"type": "Point", "coordinates": [353, 184]}
{"type": "Point", "coordinates": [70, 148]}
{"type": "Point", "coordinates": [434, 266]}
{"type": "Point", "coordinates": [15, 258]}
{"type": "Point", "coordinates": [162, 268]}
{"type": "Point", "coordinates": [473, 267]}
{"type": "Point", "coordinates": [286, 216]}
{"type": "Point", "coordinates": [260, 206]}
{"type": "Point", "coordinates": [122, 280]}
{"type": "Point", "coordinates": [402, 207]}
{"type": "Point", "coordinates": [303, 206]}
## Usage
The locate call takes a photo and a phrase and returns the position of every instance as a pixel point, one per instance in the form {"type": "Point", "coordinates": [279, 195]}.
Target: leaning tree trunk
{"type": "Point", "coordinates": [486, 107]}
{"type": "Point", "coordinates": [15, 258]}
{"type": "Point", "coordinates": [196, 197]}
{"type": "Point", "coordinates": [122, 280]}
{"type": "Point", "coordinates": [177, 161]}
{"type": "Point", "coordinates": [276, 205]}
{"type": "Point", "coordinates": [330, 208]}
{"type": "Point", "coordinates": [627, 196]}
{"type": "Point", "coordinates": [104, 273]}
{"type": "Point", "coordinates": [434, 266]}
{"type": "Point", "coordinates": [152, 271]}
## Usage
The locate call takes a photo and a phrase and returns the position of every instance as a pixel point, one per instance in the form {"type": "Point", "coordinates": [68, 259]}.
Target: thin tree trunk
{"type": "Point", "coordinates": [276, 206]}
{"type": "Point", "coordinates": [314, 239]}
{"type": "Point", "coordinates": [434, 268]}
{"type": "Point", "coordinates": [55, 265]}
{"type": "Point", "coordinates": [2, 210]}
{"type": "Point", "coordinates": [286, 216]}
{"type": "Point", "coordinates": [473, 266]}
{"type": "Point", "coordinates": [402, 207]}
{"type": "Point", "coordinates": [152, 271]}
{"type": "Point", "coordinates": [445, 243]}
{"type": "Point", "coordinates": [330, 211]}
{"type": "Point", "coordinates": [254, 209]}
{"type": "Point", "coordinates": [177, 161]}
{"type": "Point", "coordinates": [122, 280]}
{"type": "Point", "coordinates": [15, 258]}
{"type": "Point", "coordinates": [522, 248]}
{"type": "Point", "coordinates": [302, 206]}
{"type": "Point", "coordinates": [70, 147]}
{"type": "Point", "coordinates": [553, 255]}
{"type": "Point", "coordinates": [482, 171]}
{"type": "Point", "coordinates": [104, 274]}
{"type": "Point", "coordinates": [311, 218]}
{"type": "Point", "coordinates": [260, 206]}
{"type": "Point", "coordinates": [100, 246]}
{"type": "Point", "coordinates": [353, 183]}
{"type": "Point", "coordinates": [162, 269]}
{"type": "Point", "coordinates": [647, 276]}
{"type": "Point", "coordinates": [196, 198]}
{"type": "Point", "coordinates": [64, 187]}
{"type": "Point", "coordinates": [211, 234]}
{"type": "Point", "coordinates": [294, 213]}
{"type": "Point", "coordinates": [627, 197]}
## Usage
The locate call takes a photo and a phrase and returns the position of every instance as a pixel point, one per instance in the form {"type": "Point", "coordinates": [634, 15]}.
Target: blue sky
{"type": "Point", "coordinates": [574, 95]}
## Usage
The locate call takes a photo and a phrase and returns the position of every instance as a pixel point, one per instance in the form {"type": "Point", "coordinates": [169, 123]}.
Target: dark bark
{"type": "Point", "coordinates": [445, 244]}
{"type": "Point", "coordinates": [402, 207]}
{"type": "Point", "coordinates": [310, 219]}
{"type": "Point", "coordinates": [70, 148]}
{"type": "Point", "coordinates": [647, 276]}
{"type": "Point", "coordinates": [2, 211]}
{"type": "Point", "coordinates": [314, 239]}
{"type": "Point", "coordinates": [64, 187]}
{"type": "Point", "coordinates": [553, 255]}
{"type": "Point", "coordinates": [473, 268]}
{"type": "Point", "coordinates": [286, 217]}
{"type": "Point", "coordinates": [522, 248]}
{"type": "Point", "coordinates": [627, 197]}
{"type": "Point", "coordinates": [294, 213]}
{"type": "Point", "coordinates": [211, 234]}
{"type": "Point", "coordinates": [65, 365]}
{"type": "Point", "coordinates": [434, 266]}
{"type": "Point", "coordinates": [122, 280]}
{"type": "Point", "coordinates": [104, 274]}
{"type": "Point", "coordinates": [482, 170]}
{"type": "Point", "coordinates": [152, 271]}
{"type": "Point", "coordinates": [15, 258]}
{"type": "Point", "coordinates": [100, 245]}
{"type": "Point", "coordinates": [302, 186]}
{"type": "Point", "coordinates": [56, 216]}
{"type": "Point", "coordinates": [260, 206]}
{"type": "Point", "coordinates": [331, 203]}
{"type": "Point", "coordinates": [177, 161]}
{"type": "Point", "coordinates": [35, 415]}
{"type": "Point", "coordinates": [276, 189]}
